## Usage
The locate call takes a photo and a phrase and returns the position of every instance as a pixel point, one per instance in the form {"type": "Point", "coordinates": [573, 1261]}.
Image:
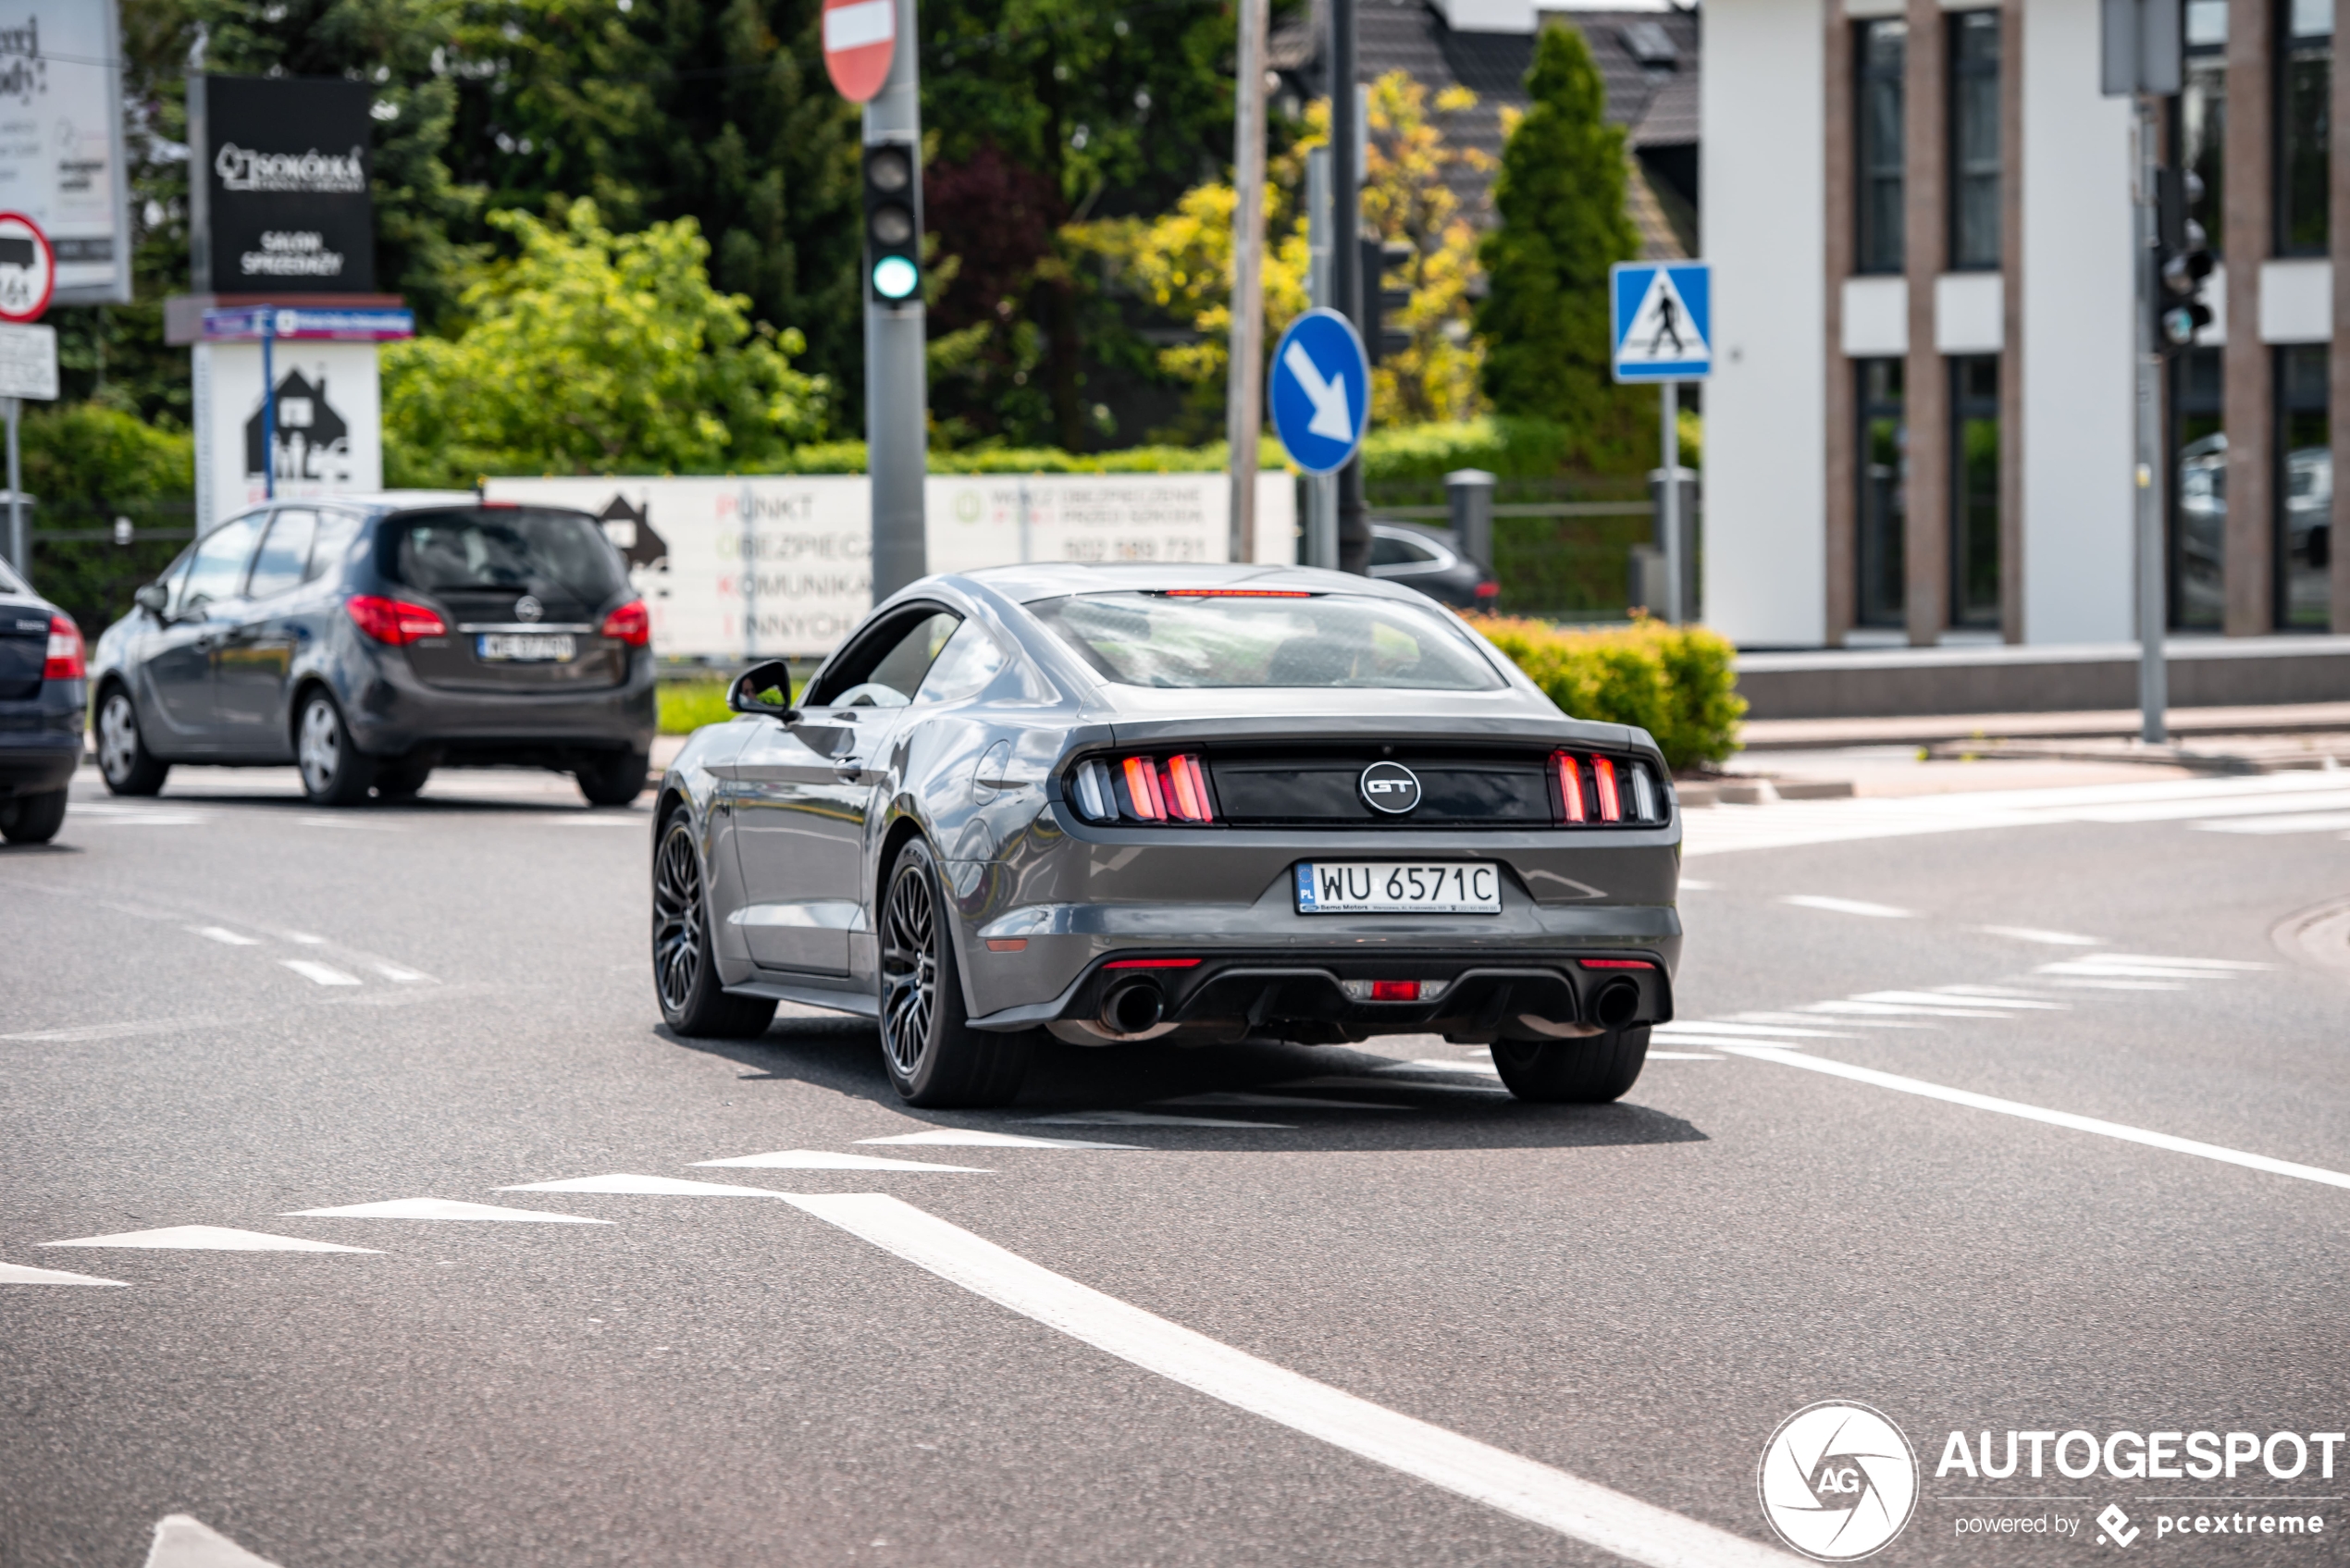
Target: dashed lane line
{"type": "Point", "coordinates": [24, 1274]}
{"type": "Point", "coordinates": [2046, 938]}
{"type": "Point", "coordinates": [1848, 906]}
{"type": "Point", "coordinates": [646, 1186]}
{"type": "Point", "coordinates": [2041, 1114]}
{"type": "Point", "coordinates": [318, 973]}
{"type": "Point", "coordinates": [1540, 1494]}
{"type": "Point", "coordinates": [227, 938]}
{"type": "Point", "coordinates": [980, 1138]}
{"type": "Point", "coordinates": [821, 1159]}
{"type": "Point", "coordinates": [207, 1239]}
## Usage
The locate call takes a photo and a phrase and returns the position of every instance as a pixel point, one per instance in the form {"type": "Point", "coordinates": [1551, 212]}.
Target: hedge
{"type": "Point", "coordinates": [1675, 682]}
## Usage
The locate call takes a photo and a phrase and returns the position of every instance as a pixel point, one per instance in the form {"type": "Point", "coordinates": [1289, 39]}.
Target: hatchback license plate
{"type": "Point", "coordinates": [536, 647]}
{"type": "Point", "coordinates": [1395, 887]}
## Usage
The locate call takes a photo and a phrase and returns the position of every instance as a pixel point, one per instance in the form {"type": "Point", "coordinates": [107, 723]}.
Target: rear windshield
{"type": "Point", "coordinates": [517, 549]}
{"type": "Point", "coordinates": [1145, 640]}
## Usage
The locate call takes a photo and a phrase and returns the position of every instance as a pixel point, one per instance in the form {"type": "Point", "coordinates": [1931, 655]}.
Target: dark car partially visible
{"type": "Point", "coordinates": [1432, 560]}
{"type": "Point", "coordinates": [370, 643]}
{"type": "Point", "coordinates": [43, 697]}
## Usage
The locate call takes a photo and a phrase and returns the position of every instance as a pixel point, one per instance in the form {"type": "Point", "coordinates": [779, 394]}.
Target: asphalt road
{"type": "Point", "coordinates": [2103, 1197]}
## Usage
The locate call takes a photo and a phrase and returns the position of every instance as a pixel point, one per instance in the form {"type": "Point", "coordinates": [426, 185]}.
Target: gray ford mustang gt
{"type": "Point", "coordinates": [1195, 805]}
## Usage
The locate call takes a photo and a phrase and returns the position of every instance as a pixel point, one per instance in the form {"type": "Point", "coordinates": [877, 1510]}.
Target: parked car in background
{"type": "Point", "coordinates": [1431, 560]}
{"type": "Point", "coordinates": [43, 698]}
{"type": "Point", "coordinates": [372, 642]}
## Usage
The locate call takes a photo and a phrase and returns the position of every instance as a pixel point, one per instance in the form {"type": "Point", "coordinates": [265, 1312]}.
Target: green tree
{"type": "Point", "coordinates": [1544, 318]}
{"type": "Point", "coordinates": [593, 352]}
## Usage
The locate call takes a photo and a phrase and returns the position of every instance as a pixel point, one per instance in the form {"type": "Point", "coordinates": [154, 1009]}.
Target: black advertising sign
{"type": "Point", "coordinates": [281, 199]}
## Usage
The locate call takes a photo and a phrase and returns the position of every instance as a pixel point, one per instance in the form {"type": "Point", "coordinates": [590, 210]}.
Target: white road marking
{"type": "Point", "coordinates": [146, 819]}
{"type": "Point", "coordinates": [25, 1274]}
{"type": "Point", "coordinates": [1537, 1493]}
{"type": "Point", "coordinates": [2111, 968]}
{"type": "Point", "coordinates": [1148, 1119]}
{"type": "Point", "coordinates": [1992, 992]}
{"type": "Point", "coordinates": [117, 1030]}
{"type": "Point", "coordinates": [1871, 1022]}
{"type": "Point", "coordinates": [441, 1208]}
{"type": "Point", "coordinates": [653, 1186]}
{"type": "Point", "coordinates": [2238, 965]}
{"type": "Point", "coordinates": [208, 1238]}
{"type": "Point", "coordinates": [1707, 1026]}
{"type": "Point", "coordinates": [583, 820]}
{"type": "Point", "coordinates": [305, 938]}
{"type": "Point", "coordinates": [1240, 1097]}
{"type": "Point", "coordinates": [1693, 886]}
{"type": "Point", "coordinates": [1485, 1070]}
{"type": "Point", "coordinates": [1847, 906]}
{"type": "Point", "coordinates": [2047, 938]}
{"type": "Point", "coordinates": [1719, 1039]}
{"type": "Point", "coordinates": [1856, 1008]}
{"type": "Point", "coordinates": [1945, 998]}
{"type": "Point", "coordinates": [1683, 1055]}
{"type": "Point", "coordinates": [350, 822]}
{"type": "Point", "coordinates": [318, 973]}
{"type": "Point", "coordinates": [2054, 1118]}
{"type": "Point", "coordinates": [2304, 800]}
{"type": "Point", "coordinates": [2311, 821]}
{"type": "Point", "coordinates": [2121, 984]}
{"type": "Point", "coordinates": [398, 974]}
{"type": "Point", "coordinates": [1417, 1086]}
{"type": "Point", "coordinates": [183, 1542]}
{"type": "Point", "coordinates": [819, 1159]}
{"type": "Point", "coordinates": [223, 935]}
{"type": "Point", "coordinates": [976, 1138]}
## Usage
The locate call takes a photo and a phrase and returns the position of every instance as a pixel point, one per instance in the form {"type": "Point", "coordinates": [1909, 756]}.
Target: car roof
{"type": "Point", "coordinates": [1026, 585]}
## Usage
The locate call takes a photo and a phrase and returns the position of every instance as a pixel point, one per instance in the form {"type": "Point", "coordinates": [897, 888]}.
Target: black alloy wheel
{"type": "Point", "coordinates": [933, 1055]}
{"type": "Point", "coordinates": [685, 978]}
{"type": "Point", "coordinates": [1589, 1072]}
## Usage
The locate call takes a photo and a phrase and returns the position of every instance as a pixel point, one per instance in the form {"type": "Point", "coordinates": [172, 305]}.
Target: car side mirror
{"type": "Point", "coordinates": [152, 597]}
{"type": "Point", "coordinates": [744, 696]}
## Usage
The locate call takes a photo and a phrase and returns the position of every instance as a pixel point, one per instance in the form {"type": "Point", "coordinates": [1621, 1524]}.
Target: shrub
{"type": "Point", "coordinates": [1675, 682]}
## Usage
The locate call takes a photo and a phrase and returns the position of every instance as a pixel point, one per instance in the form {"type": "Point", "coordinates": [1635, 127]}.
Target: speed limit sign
{"type": "Point", "coordinates": [28, 269]}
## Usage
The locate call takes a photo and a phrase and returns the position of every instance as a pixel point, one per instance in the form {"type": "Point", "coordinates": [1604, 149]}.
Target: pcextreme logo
{"type": "Point", "coordinates": [1838, 1481]}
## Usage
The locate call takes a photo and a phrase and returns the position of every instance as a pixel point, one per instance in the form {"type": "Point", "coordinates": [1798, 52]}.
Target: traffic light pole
{"type": "Point", "coordinates": [1346, 260]}
{"type": "Point", "coordinates": [2154, 696]}
{"type": "Point", "coordinates": [896, 378]}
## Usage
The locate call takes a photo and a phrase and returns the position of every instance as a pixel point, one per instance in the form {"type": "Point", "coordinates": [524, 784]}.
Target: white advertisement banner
{"type": "Point", "coordinates": [685, 538]}
{"type": "Point", "coordinates": [327, 428]}
{"type": "Point", "coordinates": [61, 141]}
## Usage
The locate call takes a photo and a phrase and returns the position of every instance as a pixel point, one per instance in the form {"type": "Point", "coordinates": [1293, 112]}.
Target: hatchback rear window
{"type": "Point", "coordinates": [1158, 639]}
{"type": "Point", "coordinates": [516, 549]}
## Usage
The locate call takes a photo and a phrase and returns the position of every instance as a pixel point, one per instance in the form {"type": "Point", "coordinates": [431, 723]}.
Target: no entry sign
{"type": "Point", "coordinates": [28, 269]}
{"type": "Point", "coordinates": [859, 37]}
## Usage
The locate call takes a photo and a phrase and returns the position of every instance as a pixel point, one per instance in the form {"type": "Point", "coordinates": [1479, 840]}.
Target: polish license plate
{"type": "Point", "coordinates": [526, 648]}
{"type": "Point", "coordinates": [1396, 887]}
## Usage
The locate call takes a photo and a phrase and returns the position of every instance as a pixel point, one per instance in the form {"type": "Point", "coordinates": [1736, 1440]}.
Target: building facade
{"type": "Point", "coordinates": [1921, 426]}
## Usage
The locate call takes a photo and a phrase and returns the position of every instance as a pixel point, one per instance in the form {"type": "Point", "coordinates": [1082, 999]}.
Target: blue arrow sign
{"type": "Point", "coordinates": [1320, 390]}
{"type": "Point", "coordinates": [1663, 320]}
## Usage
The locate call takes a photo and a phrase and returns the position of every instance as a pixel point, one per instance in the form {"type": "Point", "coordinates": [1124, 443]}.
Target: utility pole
{"type": "Point", "coordinates": [1346, 260]}
{"type": "Point", "coordinates": [896, 384]}
{"type": "Point", "coordinates": [1245, 378]}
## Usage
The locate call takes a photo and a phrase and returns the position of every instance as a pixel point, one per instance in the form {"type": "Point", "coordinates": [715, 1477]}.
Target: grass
{"type": "Point", "coordinates": [686, 706]}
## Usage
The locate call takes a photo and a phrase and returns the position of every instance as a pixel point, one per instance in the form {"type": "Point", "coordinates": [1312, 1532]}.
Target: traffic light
{"type": "Point", "coordinates": [1382, 304]}
{"type": "Point", "coordinates": [894, 221]}
{"type": "Point", "coordinates": [2181, 263]}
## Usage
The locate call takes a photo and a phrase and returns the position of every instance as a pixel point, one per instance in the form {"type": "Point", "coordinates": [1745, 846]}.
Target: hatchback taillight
{"type": "Point", "coordinates": [1602, 789]}
{"type": "Point", "coordinates": [394, 621]}
{"type": "Point", "coordinates": [630, 623]}
{"type": "Point", "coordinates": [1144, 789]}
{"type": "Point", "coordinates": [64, 661]}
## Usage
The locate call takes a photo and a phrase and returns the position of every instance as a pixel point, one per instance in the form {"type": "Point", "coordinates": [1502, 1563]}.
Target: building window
{"type": "Point", "coordinates": [1885, 486]}
{"type": "Point", "coordinates": [2199, 492]}
{"type": "Point", "coordinates": [1879, 50]}
{"type": "Point", "coordinates": [1974, 140]}
{"type": "Point", "coordinates": [2202, 127]}
{"type": "Point", "coordinates": [2304, 531]}
{"type": "Point", "coordinates": [2304, 90]}
{"type": "Point", "coordinates": [1974, 501]}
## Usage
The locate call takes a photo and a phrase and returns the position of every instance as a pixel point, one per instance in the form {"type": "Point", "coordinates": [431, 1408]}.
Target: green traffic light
{"type": "Point", "coordinates": [895, 277]}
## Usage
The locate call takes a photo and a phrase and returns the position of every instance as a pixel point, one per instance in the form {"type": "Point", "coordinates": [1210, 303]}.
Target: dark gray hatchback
{"type": "Point", "coordinates": [43, 697]}
{"type": "Point", "coordinates": [371, 642]}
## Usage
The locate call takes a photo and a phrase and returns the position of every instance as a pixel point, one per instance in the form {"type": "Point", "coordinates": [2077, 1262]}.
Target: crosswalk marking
{"type": "Point", "coordinates": [1943, 998]}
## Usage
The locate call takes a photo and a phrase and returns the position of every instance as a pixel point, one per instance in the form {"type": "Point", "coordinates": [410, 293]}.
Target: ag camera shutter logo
{"type": "Point", "coordinates": [1838, 1481]}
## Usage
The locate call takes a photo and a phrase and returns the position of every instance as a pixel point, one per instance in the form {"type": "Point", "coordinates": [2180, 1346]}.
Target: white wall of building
{"type": "Point", "coordinates": [2079, 330]}
{"type": "Point", "coordinates": [1765, 231]}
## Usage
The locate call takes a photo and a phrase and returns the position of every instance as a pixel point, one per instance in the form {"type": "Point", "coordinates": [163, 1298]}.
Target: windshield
{"type": "Point", "coordinates": [1162, 639]}
{"type": "Point", "coordinates": [513, 549]}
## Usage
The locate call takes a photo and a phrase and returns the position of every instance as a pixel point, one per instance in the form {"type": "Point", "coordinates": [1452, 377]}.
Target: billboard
{"type": "Point", "coordinates": [278, 189]}
{"type": "Point", "coordinates": [61, 141]}
{"type": "Point", "coordinates": [327, 437]}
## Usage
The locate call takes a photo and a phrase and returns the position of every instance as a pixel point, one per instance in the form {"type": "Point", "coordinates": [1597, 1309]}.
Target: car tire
{"type": "Point", "coordinates": [933, 1055]}
{"type": "Point", "coordinates": [613, 781]}
{"type": "Point", "coordinates": [32, 819]}
{"type": "Point", "coordinates": [334, 770]}
{"type": "Point", "coordinates": [685, 970]}
{"type": "Point", "coordinates": [401, 781]}
{"type": "Point", "coordinates": [124, 760]}
{"type": "Point", "coordinates": [1574, 1072]}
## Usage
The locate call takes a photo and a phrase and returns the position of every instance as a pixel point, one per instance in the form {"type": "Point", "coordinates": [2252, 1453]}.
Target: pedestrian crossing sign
{"type": "Point", "coordinates": [1663, 320]}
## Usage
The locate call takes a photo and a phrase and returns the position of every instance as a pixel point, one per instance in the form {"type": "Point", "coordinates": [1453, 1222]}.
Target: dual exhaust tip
{"type": "Point", "coordinates": [1135, 1007]}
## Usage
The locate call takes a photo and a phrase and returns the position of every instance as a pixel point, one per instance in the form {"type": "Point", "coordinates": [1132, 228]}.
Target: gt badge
{"type": "Point", "coordinates": [1391, 787]}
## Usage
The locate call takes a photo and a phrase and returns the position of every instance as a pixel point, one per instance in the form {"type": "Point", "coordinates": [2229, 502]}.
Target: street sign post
{"type": "Point", "coordinates": [1663, 332]}
{"type": "Point", "coordinates": [28, 269]}
{"type": "Point", "coordinates": [861, 36]}
{"type": "Point", "coordinates": [1320, 390]}
{"type": "Point", "coordinates": [28, 277]}
{"type": "Point", "coordinates": [897, 368]}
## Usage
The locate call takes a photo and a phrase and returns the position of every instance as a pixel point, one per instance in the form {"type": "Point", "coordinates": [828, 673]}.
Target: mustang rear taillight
{"type": "Point", "coordinates": [1144, 789]}
{"type": "Point", "coordinates": [630, 623]}
{"type": "Point", "coordinates": [394, 621]}
{"type": "Point", "coordinates": [1602, 789]}
{"type": "Point", "coordinates": [64, 661]}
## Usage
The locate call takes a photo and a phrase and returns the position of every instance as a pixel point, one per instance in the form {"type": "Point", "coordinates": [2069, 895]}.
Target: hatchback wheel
{"type": "Point", "coordinates": [334, 771]}
{"type": "Point", "coordinates": [613, 781]}
{"type": "Point", "coordinates": [684, 975]}
{"type": "Point", "coordinates": [934, 1057]}
{"type": "Point", "coordinates": [32, 819]}
{"type": "Point", "coordinates": [124, 760]}
{"type": "Point", "coordinates": [1576, 1072]}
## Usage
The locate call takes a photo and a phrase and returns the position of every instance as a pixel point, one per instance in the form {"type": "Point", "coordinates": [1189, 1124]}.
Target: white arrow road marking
{"type": "Point", "coordinates": [182, 1542]}
{"type": "Point", "coordinates": [2054, 1118]}
{"type": "Point", "coordinates": [1331, 417]}
{"type": "Point", "coordinates": [440, 1208]}
{"type": "Point", "coordinates": [208, 1238]}
{"type": "Point", "coordinates": [24, 1274]}
{"type": "Point", "coordinates": [654, 1186]}
{"type": "Point", "coordinates": [975, 1138]}
{"type": "Point", "coordinates": [1521, 1488]}
{"type": "Point", "coordinates": [819, 1159]}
